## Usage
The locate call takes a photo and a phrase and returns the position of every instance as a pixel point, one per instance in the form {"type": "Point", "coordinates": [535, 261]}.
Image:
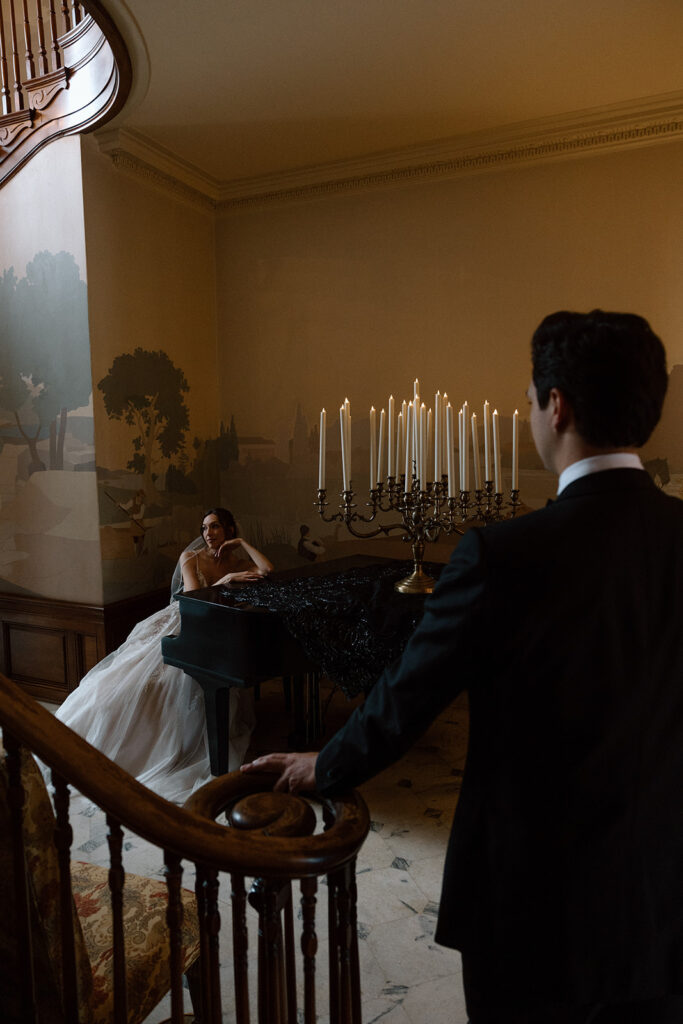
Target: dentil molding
{"type": "Point", "coordinates": [653, 121]}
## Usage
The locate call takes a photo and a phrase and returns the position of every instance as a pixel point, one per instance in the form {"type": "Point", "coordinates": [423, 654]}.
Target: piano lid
{"type": "Point", "coordinates": [344, 614]}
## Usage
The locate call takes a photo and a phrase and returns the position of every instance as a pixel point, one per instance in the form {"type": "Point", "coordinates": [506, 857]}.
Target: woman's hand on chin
{"type": "Point", "coordinates": [227, 545]}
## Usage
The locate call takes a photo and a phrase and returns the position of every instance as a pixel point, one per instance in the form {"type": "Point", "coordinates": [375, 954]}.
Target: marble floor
{"type": "Point", "coordinates": [406, 978]}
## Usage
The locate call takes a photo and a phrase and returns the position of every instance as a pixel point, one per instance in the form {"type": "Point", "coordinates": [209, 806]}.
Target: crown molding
{"type": "Point", "coordinates": [136, 156]}
{"type": "Point", "coordinates": [653, 121]}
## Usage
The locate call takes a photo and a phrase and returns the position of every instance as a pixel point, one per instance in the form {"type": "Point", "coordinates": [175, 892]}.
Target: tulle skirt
{"type": "Point", "coordinates": [149, 717]}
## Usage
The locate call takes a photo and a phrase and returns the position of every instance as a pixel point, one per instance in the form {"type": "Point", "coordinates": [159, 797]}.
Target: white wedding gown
{"type": "Point", "coordinates": [149, 717]}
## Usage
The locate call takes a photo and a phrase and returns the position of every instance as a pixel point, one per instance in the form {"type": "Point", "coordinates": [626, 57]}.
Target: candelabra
{"type": "Point", "coordinates": [425, 514]}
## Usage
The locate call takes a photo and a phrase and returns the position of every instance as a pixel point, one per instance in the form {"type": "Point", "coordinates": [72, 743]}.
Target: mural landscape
{"type": "Point", "coordinates": [73, 529]}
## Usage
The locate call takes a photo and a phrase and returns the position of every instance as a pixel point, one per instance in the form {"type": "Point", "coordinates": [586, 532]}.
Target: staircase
{"type": "Point", "coordinates": [64, 69]}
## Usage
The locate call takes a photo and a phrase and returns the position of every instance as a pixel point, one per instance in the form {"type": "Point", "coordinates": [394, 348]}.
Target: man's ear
{"type": "Point", "coordinates": [561, 412]}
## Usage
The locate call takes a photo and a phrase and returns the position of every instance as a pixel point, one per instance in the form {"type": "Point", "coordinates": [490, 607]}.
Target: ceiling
{"type": "Point", "coordinates": [239, 89]}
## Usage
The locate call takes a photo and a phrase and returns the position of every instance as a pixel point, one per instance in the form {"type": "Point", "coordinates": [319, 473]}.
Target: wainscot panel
{"type": "Point", "coordinates": [47, 646]}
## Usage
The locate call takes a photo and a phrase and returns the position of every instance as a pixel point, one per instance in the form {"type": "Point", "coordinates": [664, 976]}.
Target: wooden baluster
{"type": "Point", "coordinates": [116, 880]}
{"type": "Point", "coordinates": [333, 948]}
{"type": "Point", "coordinates": [332, 927]}
{"type": "Point", "coordinates": [174, 918]}
{"type": "Point", "coordinates": [240, 945]}
{"type": "Point", "coordinates": [63, 840]}
{"type": "Point", "coordinates": [270, 956]}
{"type": "Point", "coordinates": [66, 16]}
{"type": "Point", "coordinates": [77, 9]}
{"type": "Point", "coordinates": [23, 920]}
{"type": "Point", "coordinates": [353, 938]}
{"type": "Point", "coordinates": [43, 66]}
{"type": "Point", "coordinates": [54, 45]}
{"type": "Point", "coordinates": [210, 924]}
{"type": "Point", "coordinates": [16, 69]}
{"type": "Point", "coordinates": [344, 940]}
{"type": "Point", "coordinates": [289, 961]}
{"type": "Point", "coordinates": [309, 945]}
{"type": "Point", "coordinates": [30, 66]}
{"type": "Point", "coordinates": [4, 77]}
{"type": "Point", "coordinates": [204, 965]}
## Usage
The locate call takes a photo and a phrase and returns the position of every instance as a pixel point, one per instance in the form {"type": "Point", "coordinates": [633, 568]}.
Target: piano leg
{"type": "Point", "coordinates": [217, 707]}
{"type": "Point", "coordinates": [313, 728]}
{"type": "Point", "coordinates": [305, 691]}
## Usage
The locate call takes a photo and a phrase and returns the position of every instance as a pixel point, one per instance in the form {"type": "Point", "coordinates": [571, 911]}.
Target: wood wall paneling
{"type": "Point", "coordinates": [48, 646]}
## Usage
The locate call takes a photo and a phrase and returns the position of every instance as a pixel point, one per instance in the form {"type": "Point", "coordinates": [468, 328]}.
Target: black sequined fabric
{"type": "Point", "coordinates": [351, 624]}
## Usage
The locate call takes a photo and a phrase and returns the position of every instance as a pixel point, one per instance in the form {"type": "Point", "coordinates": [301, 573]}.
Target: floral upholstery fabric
{"type": "Point", "coordinates": [146, 939]}
{"type": "Point", "coordinates": [145, 930]}
{"type": "Point", "coordinates": [43, 879]}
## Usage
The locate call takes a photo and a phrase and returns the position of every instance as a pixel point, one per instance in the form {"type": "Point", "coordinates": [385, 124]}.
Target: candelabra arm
{"type": "Point", "coordinates": [376, 531]}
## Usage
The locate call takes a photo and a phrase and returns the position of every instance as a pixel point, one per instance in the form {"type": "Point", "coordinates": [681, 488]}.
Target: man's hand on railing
{"type": "Point", "coordinates": [296, 771]}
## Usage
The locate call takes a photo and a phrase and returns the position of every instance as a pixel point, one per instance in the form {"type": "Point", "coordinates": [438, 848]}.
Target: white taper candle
{"type": "Point", "coordinates": [475, 453]}
{"type": "Point", "coordinates": [515, 451]}
{"type": "Point", "coordinates": [466, 446]}
{"type": "Point", "coordinates": [450, 453]}
{"type": "Point", "coordinates": [487, 442]}
{"type": "Point", "coordinates": [409, 447]}
{"type": "Point", "coordinates": [380, 446]}
{"type": "Point", "coordinates": [391, 437]}
{"type": "Point", "coordinates": [321, 460]}
{"type": "Point", "coordinates": [344, 444]}
{"type": "Point", "coordinates": [373, 448]}
{"type": "Point", "coordinates": [496, 453]}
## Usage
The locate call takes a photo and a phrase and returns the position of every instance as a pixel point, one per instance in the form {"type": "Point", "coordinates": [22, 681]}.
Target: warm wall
{"type": "Point", "coordinates": [355, 294]}
{"type": "Point", "coordinates": [49, 536]}
{"type": "Point", "coordinates": [152, 288]}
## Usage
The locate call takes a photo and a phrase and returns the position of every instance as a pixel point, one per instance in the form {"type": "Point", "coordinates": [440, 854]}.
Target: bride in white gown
{"type": "Point", "coordinates": [148, 717]}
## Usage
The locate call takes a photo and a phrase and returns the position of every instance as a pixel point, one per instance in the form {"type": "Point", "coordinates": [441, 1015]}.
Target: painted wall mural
{"type": "Point", "coordinates": [49, 543]}
{"type": "Point", "coordinates": [151, 505]}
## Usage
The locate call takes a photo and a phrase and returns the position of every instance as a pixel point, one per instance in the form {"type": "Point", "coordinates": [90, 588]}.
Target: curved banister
{"type": "Point", "coordinates": [84, 74]}
{"type": "Point", "coordinates": [190, 832]}
{"type": "Point", "coordinates": [270, 839]}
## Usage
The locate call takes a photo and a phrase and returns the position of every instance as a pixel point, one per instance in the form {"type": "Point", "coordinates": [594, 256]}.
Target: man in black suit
{"type": "Point", "coordinates": [563, 879]}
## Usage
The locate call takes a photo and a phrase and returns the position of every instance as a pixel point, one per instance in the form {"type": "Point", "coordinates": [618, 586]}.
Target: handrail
{"type": "Point", "coordinates": [270, 838]}
{"type": "Point", "coordinates": [189, 832]}
{"type": "Point", "coordinates": [83, 78]}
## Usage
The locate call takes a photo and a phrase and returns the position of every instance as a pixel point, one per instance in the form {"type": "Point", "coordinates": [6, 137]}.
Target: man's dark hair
{"type": "Point", "coordinates": [612, 369]}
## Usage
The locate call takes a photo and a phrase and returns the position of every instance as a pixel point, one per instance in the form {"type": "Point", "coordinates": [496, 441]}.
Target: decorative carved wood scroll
{"type": "Point", "coordinates": [84, 74]}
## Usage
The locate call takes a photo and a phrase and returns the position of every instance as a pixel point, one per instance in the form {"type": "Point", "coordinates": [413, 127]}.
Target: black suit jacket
{"type": "Point", "coordinates": [565, 863]}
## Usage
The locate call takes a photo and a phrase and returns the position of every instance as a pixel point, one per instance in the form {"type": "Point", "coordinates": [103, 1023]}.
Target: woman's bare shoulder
{"type": "Point", "coordinates": [186, 555]}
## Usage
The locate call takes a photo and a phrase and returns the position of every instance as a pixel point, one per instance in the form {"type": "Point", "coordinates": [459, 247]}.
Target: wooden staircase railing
{"type": "Point", "coordinates": [270, 838]}
{"type": "Point", "coordinates": [64, 69]}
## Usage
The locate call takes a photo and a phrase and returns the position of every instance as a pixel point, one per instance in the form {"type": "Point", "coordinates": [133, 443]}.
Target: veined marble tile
{"type": "Point", "coordinates": [408, 954]}
{"type": "Point", "coordinates": [387, 894]}
{"type": "Point", "coordinates": [385, 1010]}
{"type": "Point", "coordinates": [427, 873]}
{"type": "Point", "coordinates": [440, 1001]}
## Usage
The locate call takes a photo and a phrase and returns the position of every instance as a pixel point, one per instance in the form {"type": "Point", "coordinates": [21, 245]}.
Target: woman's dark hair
{"type": "Point", "coordinates": [225, 518]}
{"type": "Point", "coordinates": [611, 367]}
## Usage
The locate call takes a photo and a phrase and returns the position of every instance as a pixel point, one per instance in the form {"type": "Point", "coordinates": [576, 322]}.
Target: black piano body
{"type": "Point", "coordinates": [224, 643]}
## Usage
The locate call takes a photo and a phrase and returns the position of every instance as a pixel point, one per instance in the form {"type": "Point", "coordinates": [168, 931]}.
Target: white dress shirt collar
{"type": "Point", "coordinates": [595, 464]}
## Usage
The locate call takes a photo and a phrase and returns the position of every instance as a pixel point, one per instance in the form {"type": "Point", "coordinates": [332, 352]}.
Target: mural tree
{"type": "Point", "coordinates": [145, 390]}
{"type": "Point", "coordinates": [45, 356]}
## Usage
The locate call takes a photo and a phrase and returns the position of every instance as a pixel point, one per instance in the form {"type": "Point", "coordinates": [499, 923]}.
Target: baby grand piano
{"type": "Point", "coordinates": [225, 641]}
